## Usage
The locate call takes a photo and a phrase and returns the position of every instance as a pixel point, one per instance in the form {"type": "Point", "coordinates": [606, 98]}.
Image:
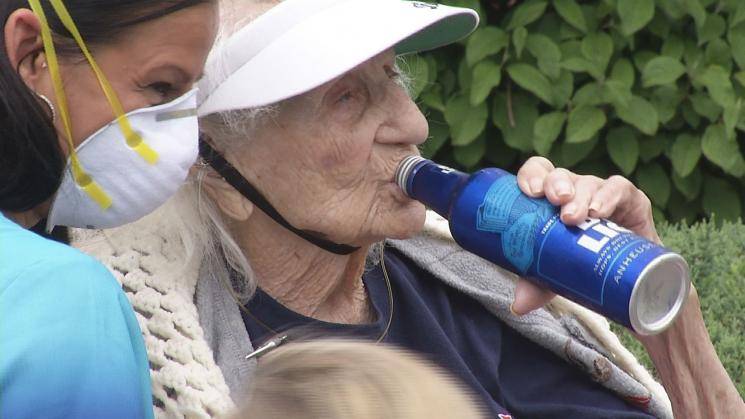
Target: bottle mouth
{"type": "Point", "coordinates": [405, 168]}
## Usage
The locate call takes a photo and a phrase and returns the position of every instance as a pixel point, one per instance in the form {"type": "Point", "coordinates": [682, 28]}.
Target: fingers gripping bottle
{"type": "Point", "coordinates": [597, 264]}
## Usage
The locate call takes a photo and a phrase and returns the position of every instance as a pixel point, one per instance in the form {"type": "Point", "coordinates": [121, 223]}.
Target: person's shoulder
{"type": "Point", "coordinates": [39, 263]}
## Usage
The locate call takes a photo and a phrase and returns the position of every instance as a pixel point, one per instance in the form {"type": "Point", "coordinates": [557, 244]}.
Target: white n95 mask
{"type": "Point", "coordinates": [134, 186]}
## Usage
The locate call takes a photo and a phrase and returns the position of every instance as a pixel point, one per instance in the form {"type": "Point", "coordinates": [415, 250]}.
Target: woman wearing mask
{"type": "Point", "coordinates": [69, 339]}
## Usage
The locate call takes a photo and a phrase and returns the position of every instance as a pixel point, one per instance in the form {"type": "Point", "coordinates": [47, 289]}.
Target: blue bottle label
{"type": "Point", "coordinates": [515, 217]}
{"type": "Point", "coordinates": [594, 255]}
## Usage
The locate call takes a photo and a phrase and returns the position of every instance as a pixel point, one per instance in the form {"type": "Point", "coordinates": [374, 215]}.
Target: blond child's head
{"type": "Point", "coordinates": [335, 379]}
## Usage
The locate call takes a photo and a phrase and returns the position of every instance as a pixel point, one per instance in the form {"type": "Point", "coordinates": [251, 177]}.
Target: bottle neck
{"type": "Point", "coordinates": [435, 186]}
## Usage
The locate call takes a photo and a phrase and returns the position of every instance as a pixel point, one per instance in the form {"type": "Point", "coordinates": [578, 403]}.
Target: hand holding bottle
{"type": "Point", "coordinates": [579, 197]}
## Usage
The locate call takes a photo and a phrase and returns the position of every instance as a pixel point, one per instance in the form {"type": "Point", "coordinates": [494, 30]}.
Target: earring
{"type": "Point", "coordinates": [44, 65]}
{"type": "Point", "coordinates": [50, 105]}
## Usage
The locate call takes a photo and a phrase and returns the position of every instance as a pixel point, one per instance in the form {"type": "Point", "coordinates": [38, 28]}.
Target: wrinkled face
{"type": "Point", "coordinates": [327, 159]}
{"type": "Point", "coordinates": [149, 64]}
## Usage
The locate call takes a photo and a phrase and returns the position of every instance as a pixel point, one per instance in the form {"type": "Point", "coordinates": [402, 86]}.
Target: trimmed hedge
{"type": "Point", "coordinates": [650, 89]}
{"type": "Point", "coordinates": [717, 259]}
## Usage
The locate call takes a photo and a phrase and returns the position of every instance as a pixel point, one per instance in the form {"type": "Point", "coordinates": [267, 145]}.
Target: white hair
{"type": "Point", "coordinates": [204, 232]}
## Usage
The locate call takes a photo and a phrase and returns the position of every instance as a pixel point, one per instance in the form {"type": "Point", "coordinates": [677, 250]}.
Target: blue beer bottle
{"type": "Point", "coordinates": [597, 264]}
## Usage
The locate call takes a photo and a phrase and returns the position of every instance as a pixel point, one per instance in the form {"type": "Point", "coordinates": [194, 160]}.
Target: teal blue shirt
{"type": "Point", "coordinates": [70, 346]}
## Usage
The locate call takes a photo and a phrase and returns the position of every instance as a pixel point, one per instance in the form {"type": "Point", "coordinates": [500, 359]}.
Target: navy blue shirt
{"type": "Point", "coordinates": [510, 374]}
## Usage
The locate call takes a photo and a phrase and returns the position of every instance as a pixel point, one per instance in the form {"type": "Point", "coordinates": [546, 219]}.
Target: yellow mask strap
{"type": "Point", "coordinates": [134, 140]}
{"type": "Point", "coordinates": [83, 180]}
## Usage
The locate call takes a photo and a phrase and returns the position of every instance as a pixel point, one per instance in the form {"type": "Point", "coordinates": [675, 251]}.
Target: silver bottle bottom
{"type": "Point", "coordinates": [659, 294]}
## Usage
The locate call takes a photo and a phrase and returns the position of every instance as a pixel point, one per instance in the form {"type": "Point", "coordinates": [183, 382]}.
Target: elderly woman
{"type": "Point", "coordinates": [293, 220]}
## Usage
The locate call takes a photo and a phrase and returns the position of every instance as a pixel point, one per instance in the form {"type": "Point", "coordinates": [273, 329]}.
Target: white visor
{"type": "Point", "coordinates": [299, 45]}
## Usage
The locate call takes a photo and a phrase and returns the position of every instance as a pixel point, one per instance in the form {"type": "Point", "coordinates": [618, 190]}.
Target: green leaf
{"type": "Point", "coordinates": [736, 39]}
{"type": "Point", "coordinates": [466, 122]}
{"type": "Point", "coordinates": [432, 98]}
{"type": "Point", "coordinates": [659, 26]}
{"type": "Point", "coordinates": [597, 48]}
{"type": "Point", "coordinates": [577, 65]}
{"type": "Point", "coordinates": [571, 154]}
{"type": "Point", "coordinates": [571, 49]}
{"type": "Point", "coordinates": [732, 117]}
{"type": "Point", "coordinates": [546, 131]}
{"type": "Point", "coordinates": [584, 122]}
{"type": "Point", "coordinates": [681, 211]}
{"type": "Point", "coordinates": [666, 100]}
{"type": "Point", "coordinates": [438, 136]}
{"type": "Point", "coordinates": [705, 106]}
{"type": "Point", "coordinates": [723, 152]}
{"type": "Point", "coordinates": [717, 82]}
{"type": "Point", "coordinates": [635, 14]}
{"type": "Point", "coordinates": [593, 14]}
{"type": "Point", "coordinates": [464, 76]}
{"type": "Point", "coordinates": [641, 58]}
{"type": "Point", "coordinates": [526, 13]}
{"type": "Point", "coordinates": [469, 155]}
{"type": "Point", "coordinates": [718, 52]}
{"type": "Point", "coordinates": [652, 147]}
{"type": "Point", "coordinates": [695, 10]}
{"type": "Point", "coordinates": [672, 8]}
{"type": "Point", "coordinates": [692, 118]}
{"type": "Point", "coordinates": [713, 28]}
{"type": "Point", "coordinates": [623, 71]}
{"type": "Point", "coordinates": [519, 37]}
{"type": "Point", "coordinates": [693, 56]}
{"type": "Point", "coordinates": [617, 92]}
{"type": "Point", "coordinates": [673, 47]}
{"type": "Point", "coordinates": [570, 11]}
{"type": "Point", "coordinates": [516, 119]}
{"type": "Point", "coordinates": [546, 52]}
{"type": "Point", "coordinates": [740, 77]}
{"type": "Point", "coordinates": [623, 148]}
{"type": "Point", "coordinates": [530, 79]}
{"type": "Point", "coordinates": [739, 15]}
{"type": "Point", "coordinates": [485, 42]}
{"type": "Point", "coordinates": [486, 76]}
{"type": "Point", "coordinates": [563, 89]}
{"type": "Point", "coordinates": [551, 26]}
{"type": "Point", "coordinates": [590, 94]}
{"type": "Point", "coordinates": [685, 154]}
{"type": "Point", "coordinates": [641, 114]}
{"type": "Point", "coordinates": [662, 70]}
{"type": "Point", "coordinates": [448, 81]}
{"type": "Point", "coordinates": [689, 186]}
{"type": "Point", "coordinates": [721, 199]}
{"type": "Point", "coordinates": [567, 31]}
{"type": "Point", "coordinates": [653, 180]}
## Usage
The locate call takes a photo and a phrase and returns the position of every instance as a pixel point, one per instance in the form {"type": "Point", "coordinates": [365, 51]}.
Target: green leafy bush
{"type": "Point", "coordinates": [650, 89]}
{"type": "Point", "coordinates": [716, 256]}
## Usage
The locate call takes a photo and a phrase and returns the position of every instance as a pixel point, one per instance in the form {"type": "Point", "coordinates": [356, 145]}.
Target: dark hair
{"type": "Point", "coordinates": [31, 161]}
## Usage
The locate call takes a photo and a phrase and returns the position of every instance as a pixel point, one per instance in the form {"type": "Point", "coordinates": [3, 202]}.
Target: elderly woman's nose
{"type": "Point", "coordinates": [405, 125]}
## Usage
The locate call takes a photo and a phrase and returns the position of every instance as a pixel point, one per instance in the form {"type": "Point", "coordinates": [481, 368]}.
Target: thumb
{"type": "Point", "coordinates": [529, 297]}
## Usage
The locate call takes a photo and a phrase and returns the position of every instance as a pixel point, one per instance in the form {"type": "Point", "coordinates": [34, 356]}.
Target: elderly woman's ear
{"type": "Point", "coordinates": [230, 202]}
